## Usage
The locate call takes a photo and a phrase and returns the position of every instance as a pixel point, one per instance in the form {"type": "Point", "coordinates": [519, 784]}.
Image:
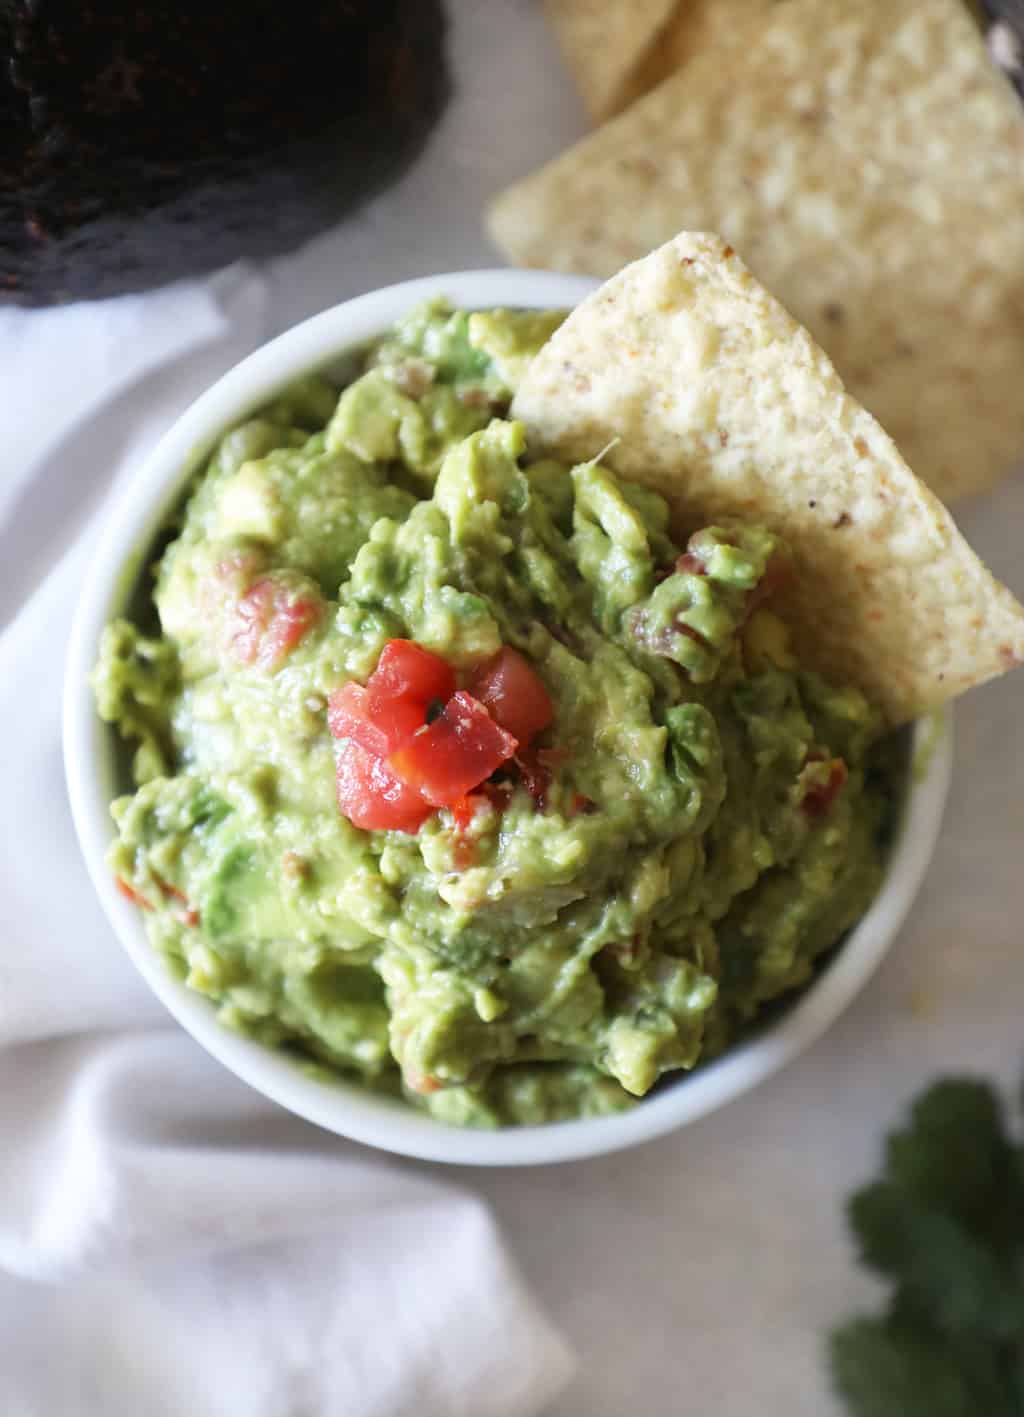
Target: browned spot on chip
{"type": "Point", "coordinates": [641, 166]}
{"type": "Point", "coordinates": [843, 519]}
{"type": "Point", "coordinates": [727, 251]}
{"type": "Point", "coordinates": [861, 446]}
{"type": "Point", "coordinates": [723, 437]}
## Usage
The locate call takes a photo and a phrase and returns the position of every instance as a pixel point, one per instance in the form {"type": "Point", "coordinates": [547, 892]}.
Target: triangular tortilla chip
{"type": "Point", "coordinates": [725, 405]}
{"type": "Point", "coordinates": [604, 42]}
{"type": "Point", "coordinates": [868, 160]}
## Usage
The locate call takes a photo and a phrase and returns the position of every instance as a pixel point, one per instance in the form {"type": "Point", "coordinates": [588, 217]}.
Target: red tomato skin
{"type": "Point", "coordinates": [270, 620]}
{"type": "Point", "coordinates": [372, 797]}
{"type": "Point", "coordinates": [513, 693]}
{"type": "Point", "coordinates": [347, 716]}
{"type": "Point", "coordinates": [130, 893]}
{"type": "Point", "coordinates": [535, 776]}
{"type": "Point", "coordinates": [405, 670]}
{"type": "Point", "coordinates": [422, 1083]}
{"type": "Point", "coordinates": [397, 720]}
{"type": "Point", "coordinates": [465, 809]}
{"type": "Point", "coordinates": [459, 750]}
{"type": "Point", "coordinates": [350, 715]}
{"type": "Point", "coordinates": [819, 799]}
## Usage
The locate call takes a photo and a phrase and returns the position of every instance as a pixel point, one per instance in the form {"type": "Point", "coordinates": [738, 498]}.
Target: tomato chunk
{"type": "Point", "coordinates": [131, 894]}
{"type": "Point", "coordinates": [406, 670]}
{"type": "Point", "coordinates": [459, 750]}
{"type": "Point", "coordinates": [271, 618]}
{"type": "Point", "coordinates": [535, 775]}
{"type": "Point", "coordinates": [513, 694]}
{"type": "Point", "coordinates": [819, 797]}
{"type": "Point", "coordinates": [422, 1083]}
{"type": "Point", "coordinates": [372, 797]}
{"type": "Point", "coordinates": [465, 809]}
{"type": "Point", "coordinates": [380, 730]}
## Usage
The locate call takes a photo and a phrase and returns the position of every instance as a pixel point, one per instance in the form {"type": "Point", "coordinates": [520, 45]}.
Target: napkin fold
{"type": "Point", "coordinates": [170, 1241]}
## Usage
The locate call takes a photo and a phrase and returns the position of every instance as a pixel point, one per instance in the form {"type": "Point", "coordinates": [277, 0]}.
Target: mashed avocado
{"type": "Point", "coordinates": [698, 820]}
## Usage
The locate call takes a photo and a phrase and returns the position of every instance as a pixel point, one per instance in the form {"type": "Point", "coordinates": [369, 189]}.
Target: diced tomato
{"type": "Point", "coordinates": [458, 751]}
{"type": "Point", "coordinates": [513, 694]}
{"type": "Point", "coordinates": [552, 758]}
{"type": "Point", "coordinates": [271, 618]}
{"type": "Point", "coordinates": [172, 890]}
{"type": "Point", "coordinates": [820, 796]}
{"type": "Point", "coordinates": [536, 777]}
{"type": "Point", "coordinates": [230, 578]}
{"type": "Point", "coordinates": [131, 894]}
{"type": "Point", "coordinates": [465, 809]}
{"type": "Point", "coordinates": [689, 563]}
{"type": "Point", "coordinates": [682, 628]}
{"type": "Point", "coordinates": [372, 797]}
{"type": "Point", "coordinates": [396, 719]}
{"type": "Point", "coordinates": [186, 914]}
{"type": "Point", "coordinates": [465, 852]}
{"type": "Point", "coordinates": [347, 717]}
{"type": "Point", "coordinates": [581, 805]}
{"type": "Point", "coordinates": [422, 1083]}
{"type": "Point", "coordinates": [499, 794]}
{"type": "Point", "coordinates": [379, 731]}
{"type": "Point", "coordinates": [406, 670]}
{"type": "Point", "coordinates": [465, 846]}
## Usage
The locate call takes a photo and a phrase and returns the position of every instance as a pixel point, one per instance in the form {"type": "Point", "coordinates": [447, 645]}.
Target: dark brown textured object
{"type": "Point", "coordinates": [142, 142]}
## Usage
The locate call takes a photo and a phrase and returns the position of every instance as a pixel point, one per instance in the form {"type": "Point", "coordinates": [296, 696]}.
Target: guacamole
{"type": "Point", "coordinates": [455, 773]}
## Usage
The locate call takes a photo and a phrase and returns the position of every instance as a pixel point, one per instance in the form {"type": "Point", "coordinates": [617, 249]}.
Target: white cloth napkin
{"type": "Point", "coordinates": [169, 1241]}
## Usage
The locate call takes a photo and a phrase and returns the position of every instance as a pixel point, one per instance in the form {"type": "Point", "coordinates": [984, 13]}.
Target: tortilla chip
{"type": "Point", "coordinates": [871, 169]}
{"type": "Point", "coordinates": [726, 406]}
{"type": "Point", "coordinates": [603, 42]}
{"type": "Point", "coordinates": [694, 25]}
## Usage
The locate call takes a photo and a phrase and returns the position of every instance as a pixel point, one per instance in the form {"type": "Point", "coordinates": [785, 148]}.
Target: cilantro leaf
{"type": "Point", "coordinates": [946, 1274]}
{"type": "Point", "coordinates": [954, 1156]}
{"type": "Point", "coordinates": [885, 1369]}
{"type": "Point", "coordinates": [945, 1225]}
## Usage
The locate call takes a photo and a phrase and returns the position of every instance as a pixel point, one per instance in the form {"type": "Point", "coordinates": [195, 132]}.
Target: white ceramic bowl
{"type": "Point", "coordinates": [133, 520]}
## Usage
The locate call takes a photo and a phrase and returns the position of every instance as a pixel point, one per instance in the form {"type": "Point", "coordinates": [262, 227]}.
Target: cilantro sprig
{"type": "Point", "coordinates": [945, 1225]}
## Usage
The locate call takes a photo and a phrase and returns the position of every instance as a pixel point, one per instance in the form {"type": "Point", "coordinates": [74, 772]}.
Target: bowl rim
{"type": "Point", "coordinates": [132, 516]}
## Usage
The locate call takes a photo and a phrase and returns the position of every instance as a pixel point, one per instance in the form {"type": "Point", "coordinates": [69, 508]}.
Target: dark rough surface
{"type": "Point", "coordinates": [140, 143]}
{"type": "Point", "coordinates": [1003, 22]}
